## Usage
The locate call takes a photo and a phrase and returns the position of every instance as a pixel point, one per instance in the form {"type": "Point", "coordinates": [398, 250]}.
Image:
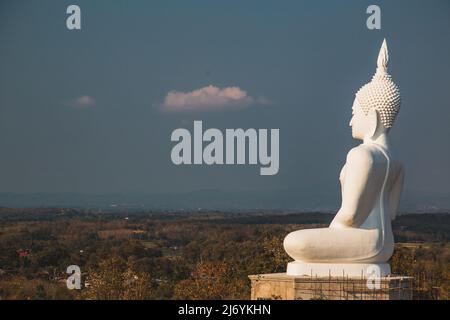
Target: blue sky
{"type": "Point", "coordinates": [308, 58]}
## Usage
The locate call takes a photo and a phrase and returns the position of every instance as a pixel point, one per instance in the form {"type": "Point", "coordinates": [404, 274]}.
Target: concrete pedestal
{"type": "Point", "coordinates": [280, 286]}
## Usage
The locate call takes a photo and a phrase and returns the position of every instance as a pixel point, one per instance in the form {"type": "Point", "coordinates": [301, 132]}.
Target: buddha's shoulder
{"type": "Point", "coordinates": [364, 153]}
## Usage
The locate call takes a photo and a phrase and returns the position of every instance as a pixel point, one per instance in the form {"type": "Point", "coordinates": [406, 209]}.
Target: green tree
{"type": "Point", "coordinates": [211, 281]}
{"type": "Point", "coordinates": [115, 279]}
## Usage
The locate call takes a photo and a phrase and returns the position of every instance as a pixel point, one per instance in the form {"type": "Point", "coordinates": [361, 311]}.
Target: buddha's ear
{"type": "Point", "coordinates": [373, 122]}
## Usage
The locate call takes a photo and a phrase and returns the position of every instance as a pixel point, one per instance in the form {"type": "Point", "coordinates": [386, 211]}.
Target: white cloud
{"type": "Point", "coordinates": [82, 102]}
{"type": "Point", "coordinates": [209, 98]}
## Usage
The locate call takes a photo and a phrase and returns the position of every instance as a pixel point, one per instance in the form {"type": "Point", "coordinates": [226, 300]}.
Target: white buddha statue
{"type": "Point", "coordinates": [360, 235]}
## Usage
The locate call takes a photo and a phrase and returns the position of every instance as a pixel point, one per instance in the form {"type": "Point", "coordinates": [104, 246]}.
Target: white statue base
{"type": "Point", "coordinates": [299, 268]}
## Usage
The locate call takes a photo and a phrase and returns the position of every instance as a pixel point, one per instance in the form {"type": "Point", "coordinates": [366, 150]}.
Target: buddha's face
{"type": "Point", "coordinates": [360, 122]}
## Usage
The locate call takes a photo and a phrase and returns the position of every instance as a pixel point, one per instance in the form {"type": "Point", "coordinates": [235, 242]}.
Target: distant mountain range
{"type": "Point", "coordinates": [214, 199]}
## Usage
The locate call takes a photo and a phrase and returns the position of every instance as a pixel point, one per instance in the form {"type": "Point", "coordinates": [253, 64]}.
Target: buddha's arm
{"type": "Point", "coordinates": [359, 190]}
{"type": "Point", "coordinates": [394, 198]}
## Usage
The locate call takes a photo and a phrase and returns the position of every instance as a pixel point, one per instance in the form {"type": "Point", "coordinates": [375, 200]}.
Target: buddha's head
{"type": "Point", "coordinates": [377, 103]}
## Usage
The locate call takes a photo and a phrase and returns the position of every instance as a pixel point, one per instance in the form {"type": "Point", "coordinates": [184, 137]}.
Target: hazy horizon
{"type": "Point", "coordinates": [413, 202]}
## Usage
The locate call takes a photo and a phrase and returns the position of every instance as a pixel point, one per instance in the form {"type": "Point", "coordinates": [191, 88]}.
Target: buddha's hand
{"type": "Point", "coordinates": [336, 224]}
{"type": "Point", "coordinates": [341, 222]}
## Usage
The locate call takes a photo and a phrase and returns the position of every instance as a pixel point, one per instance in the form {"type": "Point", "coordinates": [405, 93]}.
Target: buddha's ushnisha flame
{"type": "Point", "coordinates": [381, 94]}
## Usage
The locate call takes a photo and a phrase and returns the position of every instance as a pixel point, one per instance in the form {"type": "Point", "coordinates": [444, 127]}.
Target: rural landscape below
{"type": "Point", "coordinates": [184, 255]}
